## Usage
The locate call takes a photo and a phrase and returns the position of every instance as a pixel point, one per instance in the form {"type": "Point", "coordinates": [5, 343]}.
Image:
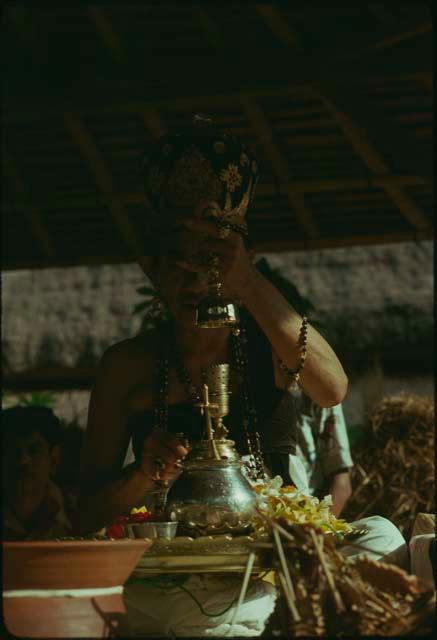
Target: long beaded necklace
{"type": "Point", "coordinates": [248, 411]}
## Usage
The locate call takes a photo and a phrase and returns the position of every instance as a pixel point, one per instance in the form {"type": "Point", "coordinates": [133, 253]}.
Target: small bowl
{"type": "Point", "coordinates": [151, 530]}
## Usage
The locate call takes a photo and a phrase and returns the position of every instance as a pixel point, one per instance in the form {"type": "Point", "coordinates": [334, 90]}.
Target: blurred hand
{"type": "Point", "coordinates": [234, 263]}
{"type": "Point", "coordinates": [161, 453]}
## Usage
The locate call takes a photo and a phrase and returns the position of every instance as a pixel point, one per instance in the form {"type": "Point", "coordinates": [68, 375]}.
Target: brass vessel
{"type": "Point", "coordinates": [212, 494]}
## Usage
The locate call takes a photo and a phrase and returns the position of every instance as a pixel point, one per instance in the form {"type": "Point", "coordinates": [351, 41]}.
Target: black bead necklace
{"type": "Point", "coordinates": [169, 351]}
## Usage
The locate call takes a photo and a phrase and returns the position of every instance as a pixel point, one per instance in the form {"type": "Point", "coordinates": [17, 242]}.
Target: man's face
{"type": "Point", "coordinates": [27, 464]}
{"type": "Point", "coordinates": [181, 287]}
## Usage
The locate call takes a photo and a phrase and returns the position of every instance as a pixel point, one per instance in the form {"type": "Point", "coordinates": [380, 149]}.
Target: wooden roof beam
{"type": "Point", "coordinates": [31, 211]}
{"type": "Point", "coordinates": [382, 132]}
{"type": "Point", "coordinates": [382, 128]}
{"type": "Point", "coordinates": [376, 163]}
{"type": "Point", "coordinates": [263, 189]}
{"type": "Point", "coordinates": [408, 34]}
{"type": "Point", "coordinates": [106, 31]}
{"type": "Point", "coordinates": [18, 108]}
{"type": "Point", "coordinates": [93, 157]}
{"type": "Point", "coordinates": [264, 133]}
{"type": "Point", "coordinates": [278, 24]}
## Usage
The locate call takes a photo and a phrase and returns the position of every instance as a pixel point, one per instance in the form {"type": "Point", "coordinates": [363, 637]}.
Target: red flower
{"type": "Point", "coordinates": [115, 531]}
{"type": "Point", "coordinates": [140, 517]}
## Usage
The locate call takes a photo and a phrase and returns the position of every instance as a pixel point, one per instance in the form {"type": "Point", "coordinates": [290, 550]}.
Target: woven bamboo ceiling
{"type": "Point", "coordinates": [337, 100]}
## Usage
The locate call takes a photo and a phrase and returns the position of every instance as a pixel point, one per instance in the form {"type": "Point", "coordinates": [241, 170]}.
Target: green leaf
{"type": "Point", "coordinates": [37, 400]}
{"type": "Point", "coordinates": [141, 306]}
{"type": "Point", "coordinates": [146, 291]}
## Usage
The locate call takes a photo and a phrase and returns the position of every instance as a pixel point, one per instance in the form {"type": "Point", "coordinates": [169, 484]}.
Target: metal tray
{"type": "Point", "coordinates": [206, 554]}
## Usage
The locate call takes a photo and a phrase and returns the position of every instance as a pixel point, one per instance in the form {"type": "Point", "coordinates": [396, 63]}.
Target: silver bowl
{"type": "Point", "coordinates": [151, 530]}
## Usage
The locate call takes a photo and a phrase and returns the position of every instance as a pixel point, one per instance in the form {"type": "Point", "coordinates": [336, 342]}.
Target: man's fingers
{"type": "Point", "coordinates": [208, 227]}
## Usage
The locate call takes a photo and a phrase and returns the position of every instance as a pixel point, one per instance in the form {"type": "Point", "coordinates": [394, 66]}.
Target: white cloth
{"type": "Point", "coordinates": [156, 611]}
{"type": "Point", "coordinates": [383, 542]}
{"type": "Point", "coordinates": [153, 611]}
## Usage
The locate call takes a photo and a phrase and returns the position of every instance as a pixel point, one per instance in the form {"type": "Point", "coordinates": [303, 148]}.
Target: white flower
{"type": "Point", "coordinates": [326, 501]}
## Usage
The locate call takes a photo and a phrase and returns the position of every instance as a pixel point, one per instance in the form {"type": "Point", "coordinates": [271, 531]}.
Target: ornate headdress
{"type": "Point", "coordinates": [199, 164]}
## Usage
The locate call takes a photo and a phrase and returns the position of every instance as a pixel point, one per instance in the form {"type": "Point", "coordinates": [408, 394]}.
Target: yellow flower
{"type": "Point", "coordinates": [142, 509]}
{"type": "Point", "coordinates": [232, 177]}
{"type": "Point", "coordinates": [276, 501]}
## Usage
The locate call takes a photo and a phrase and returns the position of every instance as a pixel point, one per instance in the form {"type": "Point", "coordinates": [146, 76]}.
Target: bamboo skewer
{"type": "Point", "coordinates": [246, 578]}
{"type": "Point", "coordinates": [289, 590]}
{"type": "Point", "coordinates": [339, 605]}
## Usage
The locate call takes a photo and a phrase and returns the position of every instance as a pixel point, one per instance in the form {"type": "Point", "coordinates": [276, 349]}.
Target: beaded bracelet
{"type": "Point", "coordinates": [293, 375]}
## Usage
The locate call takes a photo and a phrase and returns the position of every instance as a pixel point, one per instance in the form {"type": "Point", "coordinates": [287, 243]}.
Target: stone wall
{"type": "Point", "coordinates": [364, 297]}
{"type": "Point", "coordinates": [374, 304]}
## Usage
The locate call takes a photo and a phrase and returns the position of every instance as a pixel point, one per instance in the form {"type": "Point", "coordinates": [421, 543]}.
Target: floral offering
{"type": "Point", "coordinates": [116, 530]}
{"type": "Point", "coordinates": [277, 501]}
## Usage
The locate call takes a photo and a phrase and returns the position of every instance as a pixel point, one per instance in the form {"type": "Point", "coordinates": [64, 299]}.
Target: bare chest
{"type": "Point", "coordinates": [141, 396]}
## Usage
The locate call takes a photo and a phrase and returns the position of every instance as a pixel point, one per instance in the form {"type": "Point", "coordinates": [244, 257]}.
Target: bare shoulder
{"type": "Point", "coordinates": [140, 346]}
{"type": "Point", "coordinates": [125, 360]}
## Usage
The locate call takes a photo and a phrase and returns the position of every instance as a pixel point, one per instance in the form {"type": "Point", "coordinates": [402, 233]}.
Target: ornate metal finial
{"type": "Point", "coordinates": [205, 409]}
{"type": "Point", "coordinates": [217, 378]}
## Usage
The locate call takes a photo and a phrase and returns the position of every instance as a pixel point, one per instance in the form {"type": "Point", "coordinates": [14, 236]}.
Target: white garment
{"type": "Point", "coordinates": [153, 611]}
{"type": "Point", "coordinates": [322, 445]}
{"type": "Point", "coordinates": [383, 542]}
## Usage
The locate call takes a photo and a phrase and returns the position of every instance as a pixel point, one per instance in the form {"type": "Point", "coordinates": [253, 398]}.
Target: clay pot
{"type": "Point", "coordinates": [70, 565]}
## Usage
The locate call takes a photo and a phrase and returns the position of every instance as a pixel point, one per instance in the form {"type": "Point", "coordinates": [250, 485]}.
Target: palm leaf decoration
{"type": "Point", "coordinates": [34, 399]}
{"type": "Point", "coordinates": [151, 317]}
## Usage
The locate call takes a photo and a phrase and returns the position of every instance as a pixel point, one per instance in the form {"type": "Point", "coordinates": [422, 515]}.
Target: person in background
{"type": "Point", "coordinates": [323, 446]}
{"type": "Point", "coordinates": [67, 473]}
{"type": "Point", "coordinates": [33, 505]}
{"type": "Point", "coordinates": [322, 462]}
